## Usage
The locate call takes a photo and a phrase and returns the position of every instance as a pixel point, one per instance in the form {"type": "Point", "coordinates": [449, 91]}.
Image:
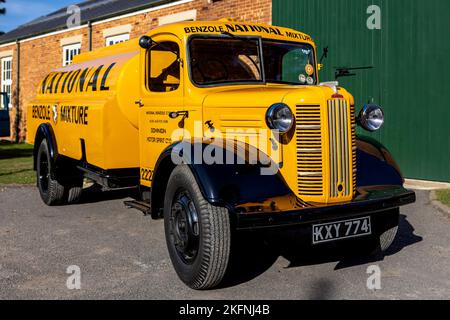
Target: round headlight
{"type": "Point", "coordinates": [371, 117]}
{"type": "Point", "coordinates": [279, 117]}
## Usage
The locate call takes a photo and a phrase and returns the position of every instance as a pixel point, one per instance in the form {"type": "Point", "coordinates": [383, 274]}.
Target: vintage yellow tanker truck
{"type": "Point", "coordinates": [222, 126]}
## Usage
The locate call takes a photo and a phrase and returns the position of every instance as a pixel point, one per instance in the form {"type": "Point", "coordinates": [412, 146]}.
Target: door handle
{"type": "Point", "coordinates": [176, 114]}
{"type": "Point", "coordinates": [139, 103]}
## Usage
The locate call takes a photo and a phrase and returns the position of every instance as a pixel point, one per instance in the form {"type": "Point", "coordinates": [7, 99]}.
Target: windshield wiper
{"type": "Point", "coordinates": [246, 40]}
{"type": "Point", "coordinates": [285, 82]}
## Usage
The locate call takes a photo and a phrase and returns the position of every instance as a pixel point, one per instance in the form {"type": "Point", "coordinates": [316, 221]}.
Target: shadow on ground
{"type": "Point", "coordinates": [96, 194]}
{"type": "Point", "coordinates": [255, 253]}
{"type": "Point", "coordinates": [16, 152]}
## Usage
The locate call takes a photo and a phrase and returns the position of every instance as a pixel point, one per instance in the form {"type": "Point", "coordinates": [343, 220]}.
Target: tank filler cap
{"type": "Point", "coordinates": [333, 85]}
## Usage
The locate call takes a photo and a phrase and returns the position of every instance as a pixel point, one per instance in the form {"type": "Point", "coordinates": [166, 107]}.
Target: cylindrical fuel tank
{"type": "Point", "coordinates": [93, 99]}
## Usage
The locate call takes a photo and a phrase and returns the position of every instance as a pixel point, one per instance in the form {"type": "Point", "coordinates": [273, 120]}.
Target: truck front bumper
{"type": "Point", "coordinates": [370, 201]}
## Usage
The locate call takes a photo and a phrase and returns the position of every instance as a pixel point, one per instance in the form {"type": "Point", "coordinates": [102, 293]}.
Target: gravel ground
{"type": "Point", "coordinates": [122, 255]}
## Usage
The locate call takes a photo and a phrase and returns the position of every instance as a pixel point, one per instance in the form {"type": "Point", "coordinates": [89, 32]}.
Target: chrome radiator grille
{"type": "Point", "coordinates": [341, 149]}
{"type": "Point", "coordinates": [309, 150]}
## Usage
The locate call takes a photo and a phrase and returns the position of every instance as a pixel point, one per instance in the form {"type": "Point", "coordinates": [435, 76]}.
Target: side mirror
{"type": "Point", "coordinates": [145, 42]}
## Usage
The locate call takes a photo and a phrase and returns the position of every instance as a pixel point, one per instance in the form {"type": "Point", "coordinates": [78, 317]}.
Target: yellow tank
{"type": "Point", "coordinates": [85, 101]}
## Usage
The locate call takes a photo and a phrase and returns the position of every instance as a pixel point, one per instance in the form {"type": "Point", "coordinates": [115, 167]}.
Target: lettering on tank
{"type": "Point", "coordinates": [90, 79]}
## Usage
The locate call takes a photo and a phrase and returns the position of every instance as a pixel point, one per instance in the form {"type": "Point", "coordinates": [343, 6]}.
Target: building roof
{"type": "Point", "coordinates": [93, 10]}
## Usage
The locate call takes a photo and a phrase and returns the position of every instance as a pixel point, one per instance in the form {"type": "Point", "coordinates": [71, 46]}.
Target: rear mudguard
{"type": "Point", "coordinates": [45, 131]}
{"type": "Point", "coordinates": [231, 185]}
{"type": "Point", "coordinates": [64, 168]}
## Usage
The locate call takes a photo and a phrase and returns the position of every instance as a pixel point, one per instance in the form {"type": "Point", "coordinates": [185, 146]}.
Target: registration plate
{"type": "Point", "coordinates": [333, 231]}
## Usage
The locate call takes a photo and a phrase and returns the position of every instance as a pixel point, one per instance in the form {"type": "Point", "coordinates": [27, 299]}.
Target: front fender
{"type": "Point", "coordinates": [375, 164]}
{"type": "Point", "coordinates": [221, 183]}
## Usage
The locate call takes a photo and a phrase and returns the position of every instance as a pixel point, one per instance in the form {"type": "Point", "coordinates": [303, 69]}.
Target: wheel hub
{"type": "Point", "coordinates": [184, 227]}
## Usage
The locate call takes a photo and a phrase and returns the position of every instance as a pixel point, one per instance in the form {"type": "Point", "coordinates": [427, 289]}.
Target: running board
{"type": "Point", "coordinates": [139, 205]}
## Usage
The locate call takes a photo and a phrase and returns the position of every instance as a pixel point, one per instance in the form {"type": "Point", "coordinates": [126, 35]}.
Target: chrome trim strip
{"type": "Point", "coordinates": [310, 174]}
{"type": "Point", "coordinates": [309, 127]}
{"type": "Point", "coordinates": [306, 150]}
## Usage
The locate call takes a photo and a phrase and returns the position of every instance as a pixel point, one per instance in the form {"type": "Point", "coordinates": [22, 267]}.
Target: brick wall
{"type": "Point", "coordinates": [38, 56]}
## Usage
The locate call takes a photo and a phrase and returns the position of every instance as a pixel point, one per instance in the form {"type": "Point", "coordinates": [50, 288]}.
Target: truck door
{"type": "Point", "coordinates": [161, 115]}
{"type": "Point", "coordinates": [4, 115]}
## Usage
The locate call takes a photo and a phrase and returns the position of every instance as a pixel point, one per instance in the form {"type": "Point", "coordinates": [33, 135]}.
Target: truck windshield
{"type": "Point", "coordinates": [220, 60]}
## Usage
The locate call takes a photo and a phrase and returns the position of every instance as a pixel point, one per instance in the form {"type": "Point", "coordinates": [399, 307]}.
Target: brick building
{"type": "Point", "coordinates": [30, 51]}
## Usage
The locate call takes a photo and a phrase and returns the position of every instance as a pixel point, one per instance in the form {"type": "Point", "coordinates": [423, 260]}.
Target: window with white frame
{"type": "Point", "coordinates": [190, 15]}
{"type": "Point", "coordinates": [6, 78]}
{"type": "Point", "coordinates": [117, 39]}
{"type": "Point", "coordinates": [70, 51]}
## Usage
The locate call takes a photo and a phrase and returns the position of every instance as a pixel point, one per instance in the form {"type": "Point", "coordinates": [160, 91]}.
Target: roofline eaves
{"type": "Point", "coordinates": [85, 22]}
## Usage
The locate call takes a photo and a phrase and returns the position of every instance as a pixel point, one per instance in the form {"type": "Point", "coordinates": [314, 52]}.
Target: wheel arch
{"type": "Point", "coordinates": [373, 157]}
{"type": "Point", "coordinates": [45, 131]}
{"type": "Point", "coordinates": [223, 185]}
{"type": "Point", "coordinates": [163, 170]}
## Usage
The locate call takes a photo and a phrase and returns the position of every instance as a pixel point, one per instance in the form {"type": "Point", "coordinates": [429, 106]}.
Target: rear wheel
{"type": "Point", "coordinates": [74, 189]}
{"type": "Point", "coordinates": [197, 233]}
{"type": "Point", "coordinates": [52, 192]}
{"type": "Point", "coordinates": [54, 189]}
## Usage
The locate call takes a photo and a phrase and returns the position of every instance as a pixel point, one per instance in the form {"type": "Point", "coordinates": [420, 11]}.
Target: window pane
{"type": "Point", "coordinates": [292, 63]}
{"type": "Point", "coordinates": [117, 39]}
{"type": "Point", "coordinates": [164, 67]}
{"type": "Point", "coordinates": [225, 60]}
{"type": "Point", "coordinates": [69, 52]}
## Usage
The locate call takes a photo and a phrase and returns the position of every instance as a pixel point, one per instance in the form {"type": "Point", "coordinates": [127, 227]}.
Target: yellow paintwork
{"type": "Point", "coordinates": [119, 133]}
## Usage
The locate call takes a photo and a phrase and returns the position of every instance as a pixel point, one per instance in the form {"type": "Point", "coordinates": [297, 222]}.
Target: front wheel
{"type": "Point", "coordinates": [197, 233]}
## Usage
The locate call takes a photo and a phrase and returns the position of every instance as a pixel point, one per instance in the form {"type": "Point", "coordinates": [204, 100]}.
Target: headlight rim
{"type": "Point", "coordinates": [270, 113]}
{"type": "Point", "coordinates": [364, 113]}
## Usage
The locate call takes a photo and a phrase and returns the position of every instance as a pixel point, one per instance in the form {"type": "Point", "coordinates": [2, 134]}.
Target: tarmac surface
{"type": "Point", "coordinates": [122, 254]}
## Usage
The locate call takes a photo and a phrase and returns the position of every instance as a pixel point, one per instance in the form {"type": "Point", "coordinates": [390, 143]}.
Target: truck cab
{"type": "Point", "coordinates": [221, 126]}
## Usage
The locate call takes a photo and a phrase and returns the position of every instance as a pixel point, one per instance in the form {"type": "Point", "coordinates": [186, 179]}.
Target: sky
{"type": "Point", "coordinates": [21, 11]}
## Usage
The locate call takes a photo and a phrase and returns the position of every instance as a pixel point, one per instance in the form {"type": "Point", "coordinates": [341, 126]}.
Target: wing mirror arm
{"type": "Point", "coordinates": [323, 57]}
{"type": "Point", "coordinates": [146, 42]}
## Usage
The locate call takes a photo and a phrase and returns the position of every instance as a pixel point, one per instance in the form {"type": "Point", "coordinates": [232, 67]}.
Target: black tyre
{"type": "Point", "coordinates": [52, 192]}
{"type": "Point", "coordinates": [197, 233]}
